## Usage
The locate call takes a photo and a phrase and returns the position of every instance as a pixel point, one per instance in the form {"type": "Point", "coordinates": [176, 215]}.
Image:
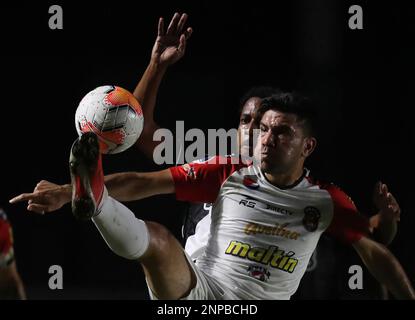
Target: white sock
{"type": "Point", "coordinates": [126, 235]}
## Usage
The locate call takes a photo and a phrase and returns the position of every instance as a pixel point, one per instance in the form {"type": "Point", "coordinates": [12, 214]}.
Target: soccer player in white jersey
{"type": "Point", "coordinates": [169, 47]}
{"type": "Point", "coordinates": [266, 219]}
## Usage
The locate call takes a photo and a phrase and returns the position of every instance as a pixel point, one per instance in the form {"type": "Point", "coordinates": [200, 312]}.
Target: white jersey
{"type": "Point", "coordinates": [262, 237]}
{"type": "Point", "coordinates": [196, 243]}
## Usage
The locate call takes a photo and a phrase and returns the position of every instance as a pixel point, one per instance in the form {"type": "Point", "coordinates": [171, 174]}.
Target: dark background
{"type": "Point", "coordinates": [361, 79]}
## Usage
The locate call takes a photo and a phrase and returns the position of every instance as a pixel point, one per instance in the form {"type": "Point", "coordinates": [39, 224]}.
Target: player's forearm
{"type": "Point", "coordinates": [390, 272]}
{"type": "Point", "coordinates": [387, 270]}
{"type": "Point", "coordinates": [147, 88]}
{"type": "Point", "coordinates": [126, 186]}
{"type": "Point", "coordinates": [130, 186]}
{"type": "Point", "coordinates": [146, 93]}
{"type": "Point", "coordinates": [384, 229]}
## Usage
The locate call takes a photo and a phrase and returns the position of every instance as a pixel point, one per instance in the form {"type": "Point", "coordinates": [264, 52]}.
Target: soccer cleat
{"type": "Point", "coordinates": [87, 177]}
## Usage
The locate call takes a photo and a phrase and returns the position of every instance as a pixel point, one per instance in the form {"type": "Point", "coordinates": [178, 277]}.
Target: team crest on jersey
{"type": "Point", "coordinates": [190, 171]}
{"type": "Point", "coordinates": [259, 272]}
{"type": "Point", "coordinates": [251, 182]}
{"type": "Point", "coordinates": [311, 218]}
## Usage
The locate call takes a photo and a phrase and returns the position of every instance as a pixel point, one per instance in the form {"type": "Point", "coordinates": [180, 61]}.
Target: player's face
{"type": "Point", "coordinates": [246, 124]}
{"type": "Point", "coordinates": [282, 145]}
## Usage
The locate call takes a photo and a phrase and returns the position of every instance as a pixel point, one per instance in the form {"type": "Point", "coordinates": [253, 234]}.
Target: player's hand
{"type": "Point", "coordinates": [46, 197]}
{"type": "Point", "coordinates": [170, 44]}
{"type": "Point", "coordinates": [386, 203]}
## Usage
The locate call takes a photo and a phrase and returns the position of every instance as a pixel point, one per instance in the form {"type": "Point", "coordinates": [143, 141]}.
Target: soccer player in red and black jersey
{"type": "Point", "coordinates": [11, 285]}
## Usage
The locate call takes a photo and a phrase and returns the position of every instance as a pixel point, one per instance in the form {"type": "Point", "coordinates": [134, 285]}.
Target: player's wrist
{"type": "Point", "coordinates": [158, 66]}
{"type": "Point", "coordinates": [66, 191]}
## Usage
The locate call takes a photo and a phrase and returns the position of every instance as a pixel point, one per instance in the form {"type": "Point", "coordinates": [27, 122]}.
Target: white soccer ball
{"type": "Point", "coordinates": [113, 114]}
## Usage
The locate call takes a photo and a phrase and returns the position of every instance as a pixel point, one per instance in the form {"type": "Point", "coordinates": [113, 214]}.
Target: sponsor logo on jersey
{"type": "Point", "coordinates": [279, 230]}
{"type": "Point", "coordinates": [259, 272]}
{"type": "Point", "coordinates": [250, 203]}
{"type": "Point", "coordinates": [272, 255]}
{"type": "Point", "coordinates": [251, 182]}
{"type": "Point", "coordinates": [311, 218]}
{"type": "Point", "coordinates": [279, 210]}
{"type": "Point", "coordinates": [190, 171]}
{"type": "Point", "coordinates": [247, 203]}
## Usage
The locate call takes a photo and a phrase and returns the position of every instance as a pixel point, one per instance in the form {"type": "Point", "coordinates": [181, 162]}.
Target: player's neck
{"type": "Point", "coordinates": [286, 179]}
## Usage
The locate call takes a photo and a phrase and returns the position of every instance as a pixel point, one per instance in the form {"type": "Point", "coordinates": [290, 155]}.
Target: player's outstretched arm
{"type": "Point", "coordinates": [384, 266]}
{"type": "Point", "coordinates": [169, 47]}
{"type": "Point", "coordinates": [131, 186]}
{"type": "Point", "coordinates": [46, 197]}
{"type": "Point", "coordinates": [385, 224]}
{"type": "Point", "coordinates": [126, 186]}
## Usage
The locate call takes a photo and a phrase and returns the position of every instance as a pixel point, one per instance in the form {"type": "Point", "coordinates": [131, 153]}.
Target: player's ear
{"type": "Point", "coordinates": [309, 145]}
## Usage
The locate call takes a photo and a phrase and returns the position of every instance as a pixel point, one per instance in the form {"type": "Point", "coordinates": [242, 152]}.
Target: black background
{"type": "Point", "coordinates": [362, 80]}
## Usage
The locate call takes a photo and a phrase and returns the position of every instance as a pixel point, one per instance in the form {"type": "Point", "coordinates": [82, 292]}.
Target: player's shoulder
{"type": "Point", "coordinates": [338, 195]}
{"type": "Point", "coordinates": [218, 159]}
{"type": "Point", "coordinates": [225, 164]}
{"type": "Point", "coordinates": [206, 158]}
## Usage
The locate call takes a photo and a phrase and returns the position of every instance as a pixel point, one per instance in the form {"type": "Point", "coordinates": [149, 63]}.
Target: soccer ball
{"type": "Point", "coordinates": [113, 114]}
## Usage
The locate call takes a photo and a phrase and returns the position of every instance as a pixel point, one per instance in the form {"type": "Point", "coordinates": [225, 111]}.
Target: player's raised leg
{"type": "Point", "coordinates": [85, 165]}
{"type": "Point", "coordinates": [168, 272]}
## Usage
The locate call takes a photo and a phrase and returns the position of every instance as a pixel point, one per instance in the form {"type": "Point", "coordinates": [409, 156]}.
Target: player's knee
{"type": "Point", "coordinates": [162, 241]}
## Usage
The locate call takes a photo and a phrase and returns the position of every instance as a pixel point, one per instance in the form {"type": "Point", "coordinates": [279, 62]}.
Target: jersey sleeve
{"type": "Point", "coordinates": [347, 225]}
{"type": "Point", "coordinates": [6, 241]}
{"type": "Point", "coordinates": [201, 182]}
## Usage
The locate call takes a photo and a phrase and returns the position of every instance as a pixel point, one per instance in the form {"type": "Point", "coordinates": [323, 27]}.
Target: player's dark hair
{"type": "Point", "coordinates": [294, 103]}
{"type": "Point", "coordinates": [259, 92]}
